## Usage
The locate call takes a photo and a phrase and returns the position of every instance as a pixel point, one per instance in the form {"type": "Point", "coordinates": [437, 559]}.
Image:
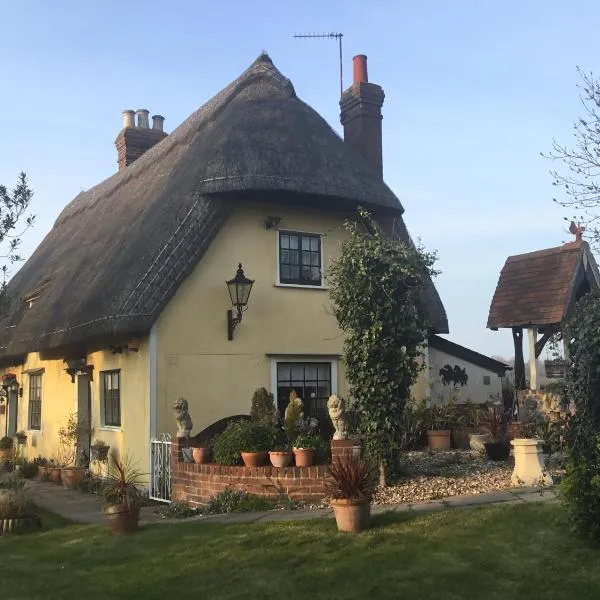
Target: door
{"type": "Point", "coordinates": [84, 419]}
{"type": "Point", "coordinates": [11, 417]}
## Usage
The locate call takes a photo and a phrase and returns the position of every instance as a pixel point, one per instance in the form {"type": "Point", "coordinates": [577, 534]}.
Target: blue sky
{"type": "Point", "coordinates": [475, 90]}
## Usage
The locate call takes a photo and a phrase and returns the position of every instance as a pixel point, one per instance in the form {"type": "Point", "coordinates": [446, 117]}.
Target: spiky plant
{"type": "Point", "coordinates": [351, 479]}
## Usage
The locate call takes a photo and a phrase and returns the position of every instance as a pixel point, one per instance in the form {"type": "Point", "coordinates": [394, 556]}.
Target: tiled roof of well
{"type": "Point", "coordinates": [536, 288]}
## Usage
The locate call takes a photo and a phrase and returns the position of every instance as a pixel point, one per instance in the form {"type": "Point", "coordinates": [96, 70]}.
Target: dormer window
{"type": "Point", "coordinates": [300, 259]}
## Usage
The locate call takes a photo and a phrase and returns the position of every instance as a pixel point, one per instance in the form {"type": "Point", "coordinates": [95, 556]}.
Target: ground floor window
{"type": "Point", "coordinates": [110, 398]}
{"type": "Point", "coordinates": [312, 381]}
{"type": "Point", "coordinates": [35, 402]}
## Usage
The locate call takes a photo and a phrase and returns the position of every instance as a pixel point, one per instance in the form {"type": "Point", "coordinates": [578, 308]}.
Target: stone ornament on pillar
{"type": "Point", "coordinates": [182, 416]}
{"type": "Point", "coordinates": [337, 412]}
{"type": "Point", "coordinates": [529, 463]}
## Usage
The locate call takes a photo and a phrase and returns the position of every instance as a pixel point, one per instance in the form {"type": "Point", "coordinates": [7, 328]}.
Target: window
{"type": "Point", "coordinates": [300, 258]}
{"type": "Point", "coordinates": [35, 402]}
{"type": "Point", "coordinates": [110, 395]}
{"type": "Point", "coordinates": [311, 382]}
{"type": "Point", "coordinates": [486, 380]}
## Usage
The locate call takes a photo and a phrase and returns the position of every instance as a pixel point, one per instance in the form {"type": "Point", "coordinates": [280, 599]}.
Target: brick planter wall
{"type": "Point", "coordinates": [197, 484]}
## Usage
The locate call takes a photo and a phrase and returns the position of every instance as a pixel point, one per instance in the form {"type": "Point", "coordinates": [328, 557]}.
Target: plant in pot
{"type": "Point", "coordinates": [122, 495]}
{"type": "Point", "coordinates": [439, 427]}
{"type": "Point", "coordinates": [72, 470]}
{"type": "Point", "coordinates": [350, 490]}
{"type": "Point", "coordinates": [244, 441]}
{"type": "Point", "coordinates": [304, 448]}
{"type": "Point", "coordinates": [498, 448]}
{"type": "Point", "coordinates": [466, 424]}
{"type": "Point", "coordinates": [6, 449]}
{"type": "Point", "coordinates": [21, 438]}
{"type": "Point", "coordinates": [42, 467]}
{"type": "Point", "coordinates": [54, 471]}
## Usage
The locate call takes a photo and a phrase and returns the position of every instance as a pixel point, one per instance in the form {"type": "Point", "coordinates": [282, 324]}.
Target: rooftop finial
{"type": "Point", "coordinates": [577, 230]}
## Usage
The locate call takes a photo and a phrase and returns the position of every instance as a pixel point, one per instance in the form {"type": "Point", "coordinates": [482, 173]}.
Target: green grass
{"type": "Point", "coordinates": [512, 551]}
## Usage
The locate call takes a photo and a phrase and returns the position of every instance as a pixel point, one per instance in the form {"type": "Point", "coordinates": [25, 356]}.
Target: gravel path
{"type": "Point", "coordinates": [433, 475]}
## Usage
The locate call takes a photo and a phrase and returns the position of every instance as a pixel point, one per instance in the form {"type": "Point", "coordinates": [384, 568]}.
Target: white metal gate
{"type": "Point", "coordinates": [160, 465]}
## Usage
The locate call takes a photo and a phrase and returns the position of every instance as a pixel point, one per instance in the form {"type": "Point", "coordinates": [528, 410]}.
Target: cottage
{"type": "Point", "coordinates": [123, 308]}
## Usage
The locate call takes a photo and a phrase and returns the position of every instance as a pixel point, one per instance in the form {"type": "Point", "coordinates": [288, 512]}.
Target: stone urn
{"type": "Point", "coordinates": [530, 468]}
{"type": "Point", "coordinates": [477, 441]}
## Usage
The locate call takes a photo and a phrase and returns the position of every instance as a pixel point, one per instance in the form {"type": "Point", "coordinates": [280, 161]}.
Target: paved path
{"type": "Point", "coordinates": [87, 508]}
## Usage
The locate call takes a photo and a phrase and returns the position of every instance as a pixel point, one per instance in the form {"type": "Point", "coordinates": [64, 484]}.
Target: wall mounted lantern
{"type": "Point", "coordinates": [239, 291]}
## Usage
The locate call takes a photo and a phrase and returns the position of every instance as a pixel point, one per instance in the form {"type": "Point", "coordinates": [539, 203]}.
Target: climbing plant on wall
{"type": "Point", "coordinates": [376, 288]}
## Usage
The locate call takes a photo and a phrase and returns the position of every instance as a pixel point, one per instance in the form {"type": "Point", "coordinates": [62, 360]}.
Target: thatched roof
{"type": "Point", "coordinates": [118, 252]}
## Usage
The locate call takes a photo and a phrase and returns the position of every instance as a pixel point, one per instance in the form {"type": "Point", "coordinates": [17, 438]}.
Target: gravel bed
{"type": "Point", "coordinates": [434, 475]}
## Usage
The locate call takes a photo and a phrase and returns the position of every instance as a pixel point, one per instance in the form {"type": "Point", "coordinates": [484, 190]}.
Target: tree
{"type": "Point", "coordinates": [14, 207]}
{"type": "Point", "coordinates": [376, 286]}
{"type": "Point", "coordinates": [581, 180]}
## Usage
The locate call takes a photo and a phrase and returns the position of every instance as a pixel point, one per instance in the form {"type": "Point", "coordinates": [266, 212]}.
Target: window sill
{"type": "Point", "coordinates": [109, 428]}
{"type": "Point", "coordinates": [302, 286]}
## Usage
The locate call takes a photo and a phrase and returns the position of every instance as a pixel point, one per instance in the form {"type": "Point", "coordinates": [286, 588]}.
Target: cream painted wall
{"type": "Point", "coordinates": [194, 357]}
{"type": "Point", "coordinates": [59, 399]}
{"type": "Point", "coordinates": [475, 390]}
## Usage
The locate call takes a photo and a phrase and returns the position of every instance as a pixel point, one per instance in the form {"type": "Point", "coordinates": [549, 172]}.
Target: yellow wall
{"type": "Point", "coordinates": [59, 399]}
{"type": "Point", "coordinates": [195, 359]}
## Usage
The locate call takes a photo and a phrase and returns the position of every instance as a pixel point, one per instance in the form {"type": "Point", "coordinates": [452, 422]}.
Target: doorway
{"type": "Point", "coordinates": [12, 410]}
{"type": "Point", "coordinates": [84, 419]}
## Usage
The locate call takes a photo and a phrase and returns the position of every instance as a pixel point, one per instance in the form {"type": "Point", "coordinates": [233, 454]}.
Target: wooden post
{"type": "Point", "coordinates": [517, 333]}
{"type": "Point", "coordinates": [532, 333]}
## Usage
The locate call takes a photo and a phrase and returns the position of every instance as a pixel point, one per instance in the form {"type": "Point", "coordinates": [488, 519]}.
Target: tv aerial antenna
{"type": "Point", "coordinates": [328, 36]}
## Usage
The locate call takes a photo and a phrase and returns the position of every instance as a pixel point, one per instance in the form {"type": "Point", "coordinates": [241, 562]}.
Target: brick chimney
{"type": "Point", "coordinates": [361, 115]}
{"type": "Point", "coordinates": [133, 140]}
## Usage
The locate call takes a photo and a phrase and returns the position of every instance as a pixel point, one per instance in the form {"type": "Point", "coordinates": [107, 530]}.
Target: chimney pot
{"type": "Point", "coordinates": [128, 118]}
{"type": "Point", "coordinates": [157, 122]}
{"type": "Point", "coordinates": [142, 118]}
{"type": "Point", "coordinates": [360, 69]}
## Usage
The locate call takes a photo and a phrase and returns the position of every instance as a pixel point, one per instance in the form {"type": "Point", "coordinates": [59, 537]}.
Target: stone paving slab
{"type": "Point", "coordinates": [87, 508]}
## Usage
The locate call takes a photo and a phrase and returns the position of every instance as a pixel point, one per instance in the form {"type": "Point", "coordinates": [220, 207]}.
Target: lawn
{"type": "Point", "coordinates": [505, 551]}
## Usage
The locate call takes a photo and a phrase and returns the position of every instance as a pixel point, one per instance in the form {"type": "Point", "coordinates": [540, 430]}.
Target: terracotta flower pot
{"type": "Point", "coordinates": [54, 473]}
{"type": "Point", "coordinates": [281, 459]}
{"type": "Point", "coordinates": [438, 439]}
{"type": "Point", "coordinates": [42, 472]}
{"type": "Point", "coordinates": [254, 459]}
{"type": "Point", "coordinates": [71, 477]}
{"type": "Point", "coordinates": [351, 515]}
{"type": "Point", "coordinates": [200, 455]}
{"type": "Point", "coordinates": [121, 519]}
{"type": "Point", "coordinates": [305, 457]}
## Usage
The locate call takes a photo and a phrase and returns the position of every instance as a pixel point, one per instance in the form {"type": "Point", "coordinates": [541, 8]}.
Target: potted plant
{"type": "Point", "coordinates": [281, 456]}
{"type": "Point", "coordinates": [21, 438]}
{"type": "Point", "coordinates": [255, 441]}
{"type": "Point", "coordinates": [122, 495]}
{"type": "Point", "coordinates": [304, 450]}
{"type": "Point", "coordinates": [440, 427]}
{"type": "Point", "coordinates": [72, 462]}
{"type": "Point", "coordinates": [350, 490]}
{"type": "Point", "coordinates": [42, 467]}
{"type": "Point", "coordinates": [54, 471]}
{"type": "Point", "coordinates": [466, 421]}
{"type": "Point", "coordinates": [200, 454]}
{"type": "Point", "coordinates": [99, 451]}
{"type": "Point", "coordinates": [498, 448]}
{"type": "Point", "coordinates": [6, 449]}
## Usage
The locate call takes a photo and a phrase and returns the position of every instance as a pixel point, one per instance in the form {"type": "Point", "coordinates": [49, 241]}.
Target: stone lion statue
{"type": "Point", "coordinates": [337, 409]}
{"type": "Point", "coordinates": [182, 416]}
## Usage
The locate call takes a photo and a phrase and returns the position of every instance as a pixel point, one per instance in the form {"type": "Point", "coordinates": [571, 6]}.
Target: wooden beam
{"type": "Point", "coordinates": [517, 333]}
{"type": "Point", "coordinates": [532, 334]}
{"type": "Point", "coordinates": [539, 345]}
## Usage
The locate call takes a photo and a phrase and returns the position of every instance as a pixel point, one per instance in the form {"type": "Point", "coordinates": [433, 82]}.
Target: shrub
{"type": "Point", "coordinates": [121, 485]}
{"type": "Point", "coordinates": [28, 469]}
{"type": "Point", "coordinates": [581, 485]}
{"type": "Point", "coordinates": [352, 480]}
{"type": "Point", "coordinates": [243, 436]}
{"type": "Point", "coordinates": [6, 443]}
{"type": "Point", "coordinates": [262, 409]}
{"type": "Point", "coordinates": [14, 504]}
{"type": "Point", "coordinates": [177, 510]}
{"type": "Point", "coordinates": [230, 500]}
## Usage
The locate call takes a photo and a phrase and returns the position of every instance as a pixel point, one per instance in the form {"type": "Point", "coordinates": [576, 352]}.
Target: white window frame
{"type": "Point", "coordinates": [299, 285]}
{"type": "Point", "coordinates": [103, 424]}
{"type": "Point", "coordinates": [313, 358]}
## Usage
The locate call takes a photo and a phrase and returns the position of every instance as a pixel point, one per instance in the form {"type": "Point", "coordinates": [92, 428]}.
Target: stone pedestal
{"type": "Point", "coordinates": [529, 463]}
{"type": "Point", "coordinates": [342, 448]}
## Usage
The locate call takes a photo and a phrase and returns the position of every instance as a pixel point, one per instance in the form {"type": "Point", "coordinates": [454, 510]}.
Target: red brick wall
{"type": "Point", "coordinates": [196, 484]}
